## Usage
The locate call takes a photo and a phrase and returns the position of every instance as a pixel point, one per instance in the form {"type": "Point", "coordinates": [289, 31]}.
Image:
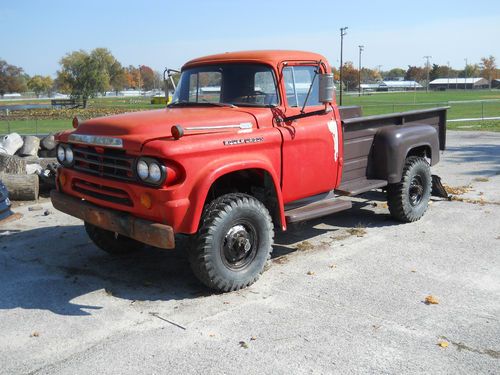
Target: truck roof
{"type": "Point", "coordinates": [271, 57]}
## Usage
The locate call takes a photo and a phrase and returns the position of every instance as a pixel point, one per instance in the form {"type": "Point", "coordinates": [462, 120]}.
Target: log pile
{"type": "Point", "coordinates": [27, 165]}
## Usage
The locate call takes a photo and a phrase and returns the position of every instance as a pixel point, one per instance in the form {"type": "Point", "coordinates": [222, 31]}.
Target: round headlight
{"type": "Point", "coordinates": [142, 169]}
{"type": "Point", "coordinates": [69, 155]}
{"type": "Point", "coordinates": [154, 172]}
{"type": "Point", "coordinates": [61, 154]}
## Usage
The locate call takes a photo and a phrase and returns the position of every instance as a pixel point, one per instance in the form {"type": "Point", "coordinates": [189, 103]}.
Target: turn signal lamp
{"type": "Point", "coordinates": [62, 179]}
{"type": "Point", "coordinates": [146, 200]}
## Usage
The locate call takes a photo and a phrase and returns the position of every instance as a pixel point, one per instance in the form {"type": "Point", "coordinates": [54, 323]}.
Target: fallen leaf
{"type": "Point", "coordinates": [253, 338]}
{"type": "Point", "coordinates": [413, 270]}
{"type": "Point", "coordinates": [443, 344]}
{"type": "Point", "coordinates": [243, 344]}
{"type": "Point", "coordinates": [225, 303]}
{"type": "Point", "coordinates": [431, 300]}
{"type": "Point", "coordinates": [35, 334]}
{"type": "Point", "coordinates": [310, 273]}
{"type": "Point", "coordinates": [333, 265]}
{"type": "Point", "coordinates": [211, 334]}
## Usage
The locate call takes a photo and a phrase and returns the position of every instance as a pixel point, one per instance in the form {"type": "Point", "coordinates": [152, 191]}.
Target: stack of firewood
{"type": "Point", "coordinates": [27, 164]}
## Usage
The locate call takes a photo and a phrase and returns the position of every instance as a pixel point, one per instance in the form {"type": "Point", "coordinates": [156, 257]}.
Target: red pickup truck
{"type": "Point", "coordinates": [251, 141]}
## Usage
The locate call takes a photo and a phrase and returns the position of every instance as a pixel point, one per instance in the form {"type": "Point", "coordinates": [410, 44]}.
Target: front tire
{"type": "Point", "coordinates": [110, 242]}
{"type": "Point", "coordinates": [409, 199]}
{"type": "Point", "coordinates": [233, 244]}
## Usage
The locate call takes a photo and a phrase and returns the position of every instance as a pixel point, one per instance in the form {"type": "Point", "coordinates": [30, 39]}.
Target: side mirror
{"type": "Point", "coordinates": [326, 88]}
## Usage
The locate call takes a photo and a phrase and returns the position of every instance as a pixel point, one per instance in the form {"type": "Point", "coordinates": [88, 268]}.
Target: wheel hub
{"type": "Point", "coordinates": [416, 190]}
{"type": "Point", "coordinates": [238, 246]}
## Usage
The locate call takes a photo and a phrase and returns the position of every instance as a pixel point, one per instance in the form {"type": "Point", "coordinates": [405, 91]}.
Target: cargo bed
{"type": "Point", "coordinates": [361, 170]}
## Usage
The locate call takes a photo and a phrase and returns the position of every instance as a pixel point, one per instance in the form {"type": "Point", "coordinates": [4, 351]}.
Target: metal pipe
{"type": "Point", "coordinates": [359, 72]}
{"type": "Point", "coordinates": [342, 33]}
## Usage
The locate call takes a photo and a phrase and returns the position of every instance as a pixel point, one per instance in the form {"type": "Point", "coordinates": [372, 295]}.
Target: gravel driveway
{"type": "Point", "coordinates": [344, 294]}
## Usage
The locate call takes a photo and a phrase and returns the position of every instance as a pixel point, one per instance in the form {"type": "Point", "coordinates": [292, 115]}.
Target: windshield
{"type": "Point", "coordinates": [227, 84]}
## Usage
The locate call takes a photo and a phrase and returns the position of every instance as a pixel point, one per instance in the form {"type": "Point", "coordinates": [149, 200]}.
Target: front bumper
{"type": "Point", "coordinates": [148, 232]}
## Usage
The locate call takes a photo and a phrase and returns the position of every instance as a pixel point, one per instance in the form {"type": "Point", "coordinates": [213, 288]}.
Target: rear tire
{"type": "Point", "coordinates": [408, 200]}
{"type": "Point", "coordinates": [233, 243]}
{"type": "Point", "coordinates": [111, 242]}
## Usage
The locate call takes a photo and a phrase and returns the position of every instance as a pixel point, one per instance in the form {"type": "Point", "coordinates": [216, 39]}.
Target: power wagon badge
{"type": "Point", "coordinates": [232, 142]}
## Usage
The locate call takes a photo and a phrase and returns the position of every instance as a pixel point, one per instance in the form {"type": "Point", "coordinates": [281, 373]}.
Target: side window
{"type": "Point", "coordinates": [298, 79]}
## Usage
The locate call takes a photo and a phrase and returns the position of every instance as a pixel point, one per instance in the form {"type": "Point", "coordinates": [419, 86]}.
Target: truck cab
{"type": "Point", "coordinates": [250, 142]}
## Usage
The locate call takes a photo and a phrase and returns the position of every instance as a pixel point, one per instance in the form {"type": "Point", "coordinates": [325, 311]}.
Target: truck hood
{"type": "Point", "coordinates": [137, 128]}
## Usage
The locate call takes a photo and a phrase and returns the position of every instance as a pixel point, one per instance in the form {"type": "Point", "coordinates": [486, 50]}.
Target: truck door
{"type": "Point", "coordinates": [310, 144]}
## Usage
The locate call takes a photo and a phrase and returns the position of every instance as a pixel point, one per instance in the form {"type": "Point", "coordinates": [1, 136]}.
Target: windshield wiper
{"type": "Point", "coordinates": [204, 103]}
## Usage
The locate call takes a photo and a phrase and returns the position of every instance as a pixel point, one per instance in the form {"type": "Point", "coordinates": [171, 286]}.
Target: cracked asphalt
{"type": "Point", "coordinates": [334, 300]}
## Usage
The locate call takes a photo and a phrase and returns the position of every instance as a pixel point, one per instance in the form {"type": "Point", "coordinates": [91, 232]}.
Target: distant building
{"type": "Point", "coordinates": [459, 83]}
{"type": "Point", "coordinates": [391, 86]}
{"type": "Point", "coordinates": [12, 95]}
{"type": "Point", "coordinates": [495, 84]}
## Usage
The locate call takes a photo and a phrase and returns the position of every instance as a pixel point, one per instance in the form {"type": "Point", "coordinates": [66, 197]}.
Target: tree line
{"type": "Point", "coordinates": [85, 74]}
{"type": "Point", "coordinates": [82, 75]}
{"type": "Point", "coordinates": [486, 68]}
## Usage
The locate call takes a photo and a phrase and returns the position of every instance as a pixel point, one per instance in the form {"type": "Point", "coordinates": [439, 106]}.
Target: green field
{"type": "Point", "coordinates": [463, 104]}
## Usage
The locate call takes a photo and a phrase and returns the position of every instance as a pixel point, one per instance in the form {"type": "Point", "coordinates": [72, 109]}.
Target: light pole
{"type": "Point", "coordinates": [361, 48]}
{"type": "Point", "coordinates": [139, 68]}
{"type": "Point", "coordinates": [449, 70]}
{"type": "Point", "coordinates": [427, 68]}
{"type": "Point", "coordinates": [342, 33]}
{"type": "Point", "coordinates": [465, 75]}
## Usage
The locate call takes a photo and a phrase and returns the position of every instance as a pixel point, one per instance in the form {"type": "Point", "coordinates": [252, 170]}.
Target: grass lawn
{"type": "Point", "coordinates": [34, 126]}
{"type": "Point", "coordinates": [464, 104]}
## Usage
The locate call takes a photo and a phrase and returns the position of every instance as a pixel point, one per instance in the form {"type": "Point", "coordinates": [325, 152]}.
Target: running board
{"type": "Point", "coordinates": [317, 209]}
{"type": "Point", "coordinates": [359, 186]}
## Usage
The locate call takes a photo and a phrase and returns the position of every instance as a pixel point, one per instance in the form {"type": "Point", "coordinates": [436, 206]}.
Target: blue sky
{"type": "Point", "coordinates": [36, 34]}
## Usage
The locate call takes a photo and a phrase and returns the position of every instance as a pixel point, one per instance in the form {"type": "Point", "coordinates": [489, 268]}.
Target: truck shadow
{"type": "Point", "coordinates": [54, 268]}
{"type": "Point", "coordinates": [57, 268]}
{"type": "Point", "coordinates": [365, 213]}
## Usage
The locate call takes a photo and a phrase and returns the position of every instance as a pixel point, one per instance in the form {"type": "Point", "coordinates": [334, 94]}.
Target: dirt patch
{"type": "Point", "coordinates": [481, 179]}
{"type": "Point", "coordinates": [304, 246]}
{"type": "Point", "coordinates": [481, 201]}
{"type": "Point", "coordinates": [358, 231]}
{"type": "Point", "coordinates": [281, 260]}
{"type": "Point", "coordinates": [457, 190]}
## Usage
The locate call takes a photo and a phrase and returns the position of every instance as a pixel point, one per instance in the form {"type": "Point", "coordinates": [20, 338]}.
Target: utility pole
{"type": "Point", "coordinates": [139, 69]}
{"type": "Point", "coordinates": [361, 48]}
{"type": "Point", "coordinates": [427, 64]}
{"type": "Point", "coordinates": [449, 70]}
{"type": "Point", "coordinates": [342, 33]}
{"type": "Point", "coordinates": [465, 74]}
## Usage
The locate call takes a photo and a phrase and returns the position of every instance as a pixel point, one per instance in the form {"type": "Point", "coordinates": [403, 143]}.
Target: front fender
{"type": "Point", "coordinates": [392, 145]}
{"type": "Point", "coordinates": [218, 169]}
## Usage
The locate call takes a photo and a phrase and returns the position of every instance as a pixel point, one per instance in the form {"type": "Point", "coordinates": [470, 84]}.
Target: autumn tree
{"type": "Point", "coordinates": [87, 74]}
{"type": "Point", "coordinates": [133, 77]}
{"type": "Point", "coordinates": [471, 70]}
{"type": "Point", "coordinates": [488, 68]}
{"type": "Point", "coordinates": [370, 75]}
{"type": "Point", "coordinates": [415, 73]}
{"type": "Point", "coordinates": [349, 75]}
{"type": "Point", "coordinates": [147, 77]}
{"type": "Point", "coordinates": [12, 78]}
{"type": "Point", "coordinates": [40, 84]}
{"type": "Point", "coordinates": [394, 73]}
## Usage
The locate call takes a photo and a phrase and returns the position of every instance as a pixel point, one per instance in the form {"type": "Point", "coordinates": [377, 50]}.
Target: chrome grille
{"type": "Point", "coordinates": [109, 163]}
